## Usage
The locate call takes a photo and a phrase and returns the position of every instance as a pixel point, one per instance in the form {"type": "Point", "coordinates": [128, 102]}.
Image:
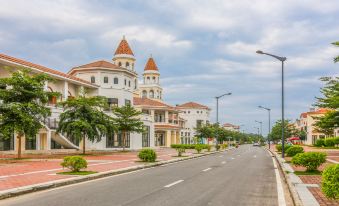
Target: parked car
{"type": "Point", "coordinates": [256, 144]}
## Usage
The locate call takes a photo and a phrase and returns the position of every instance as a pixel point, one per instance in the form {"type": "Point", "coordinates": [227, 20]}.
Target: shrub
{"type": "Point", "coordinates": [147, 155]}
{"type": "Point", "coordinates": [329, 142]}
{"type": "Point", "coordinates": [310, 160]}
{"type": "Point", "coordinates": [199, 147]}
{"type": "Point", "coordinates": [336, 141]}
{"type": "Point", "coordinates": [330, 181]}
{"type": "Point", "coordinates": [209, 147]}
{"type": "Point", "coordinates": [217, 147]}
{"type": "Point", "coordinates": [74, 163]}
{"type": "Point", "coordinates": [278, 147]}
{"type": "Point", "coordinates": [319, 143]}
{"type": "Point", "coordinates": [224, 146]}
{"type": "Point", "coordinates": [292, 151]}
{"type": "Point", "coordinates": [180, 150]}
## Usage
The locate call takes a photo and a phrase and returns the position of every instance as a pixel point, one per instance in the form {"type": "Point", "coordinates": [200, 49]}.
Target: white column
{"type": "Point", "coordinates": [65, 93]}
{"type": "Point", "coordinates": [37, 140]}
{"type": "Point", "coordinates": [166, 116]}
{"type": "Point", "coordinates": [49, 137]}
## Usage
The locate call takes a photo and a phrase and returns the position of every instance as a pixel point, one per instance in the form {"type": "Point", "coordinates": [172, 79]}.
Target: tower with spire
{"type": "Point", "coordinates": [123, 56]}
{"type": "Point", "coordinates": [150, 88]}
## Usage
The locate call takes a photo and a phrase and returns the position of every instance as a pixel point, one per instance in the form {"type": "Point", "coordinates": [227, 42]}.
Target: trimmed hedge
{"type": "Point", "coordinates": [74, 163]}
{"type": "Point", "coordinates": [147, 155]}
{"type": "Point", "coordinates": [187, 146]}
{"type": "Point", "coordinates": [292, 151]}
{"type": "Point", "coordinates": [278, 147]}
{"type": "Point", "coordinates": [328, 142]}
{"type": "Point", "coordinates": [310, 160]}
{"type": "Point", "coordinates": [330, 181]}
{"type": "Point", "coordinates": [319, 143]}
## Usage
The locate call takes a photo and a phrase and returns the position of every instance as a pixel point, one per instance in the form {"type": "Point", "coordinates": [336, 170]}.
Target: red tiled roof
{"type": "Point", "coordinates": [318, 111]}
{"type": "Point", "coordinates": [42, 68]}
{"type": "Point", "coordinates": [124, 48]}
{"type": "Point", "coordinates": [149, 102]}
{"type": "Point", "coordinates": [193, 105]}
{"type": "Point", "coordinates": [229, 125]}
{"type": "Point", "coordinates": [151, 65]}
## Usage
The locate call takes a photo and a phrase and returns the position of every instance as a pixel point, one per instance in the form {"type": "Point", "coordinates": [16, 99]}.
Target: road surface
{"type": "Point", "coordinates": [242, 176]}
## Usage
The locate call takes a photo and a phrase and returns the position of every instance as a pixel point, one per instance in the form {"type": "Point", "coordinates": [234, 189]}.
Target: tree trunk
{"type": "Point", "coordinates": [84, 146]}
{"type": "Point", "coordinates": [123, 140]}
{"type": "Point", "coordinates": [19, 146]}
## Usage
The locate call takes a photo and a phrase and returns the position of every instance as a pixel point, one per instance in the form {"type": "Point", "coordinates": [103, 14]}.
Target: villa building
{"type": "Point", "coordinates": [231, 127]}
{"type": "Point", "coordinates": [195, 115]}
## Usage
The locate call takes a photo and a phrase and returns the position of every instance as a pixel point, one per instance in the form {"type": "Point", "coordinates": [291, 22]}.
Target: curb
{"type": "Point", "coordinates": [58, 183]}
{"type": "Point", "coordinates": [295, 197]}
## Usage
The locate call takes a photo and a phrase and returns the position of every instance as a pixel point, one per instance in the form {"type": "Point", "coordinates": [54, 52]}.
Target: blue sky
{"type": "Point", "coordinates": [203, 48]}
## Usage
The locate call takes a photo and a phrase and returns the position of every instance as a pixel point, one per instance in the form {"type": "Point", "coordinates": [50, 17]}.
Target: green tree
{"type": "Point", "coordinates": [23, 104]}
{"type": "Point", "coordinates": [276, 134]}
{"type": "Point", "coordinates": [83, 119]}
{"type": "Point", "coordinates": [327, 123]}
{"type": "Point", "coordinates": [336, 59]}
{"type": "Point", "coordinates": [127, 119]}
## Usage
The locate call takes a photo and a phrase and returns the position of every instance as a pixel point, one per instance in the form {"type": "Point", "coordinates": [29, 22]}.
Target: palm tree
{"type": "Point", "coordinates": [23, 104]}
{"type": "Point", "coordinates": [127, 119]}
{"type": "Point", "coordinates": [336, 59]}
{"type": "Point", "coordinates": [83, 119]}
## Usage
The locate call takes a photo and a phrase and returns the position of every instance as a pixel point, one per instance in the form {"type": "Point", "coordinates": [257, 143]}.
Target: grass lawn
{"type": "Point", "coordinates": [77, 173]}
{"type": "Point", "coordinates": [315, 172]}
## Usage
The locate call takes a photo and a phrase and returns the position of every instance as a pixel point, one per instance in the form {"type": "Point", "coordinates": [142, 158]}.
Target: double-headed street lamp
{"type": "Point", "coordinates": [260, 126]}
{"type": "Point", "coordinates": [269, 124]}
{"type": "Point", "coordinates": [217, 98]}
{"type": "Point", "coordinates": [282, 59]}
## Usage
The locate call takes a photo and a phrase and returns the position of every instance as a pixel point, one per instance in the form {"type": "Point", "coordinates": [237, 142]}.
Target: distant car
{"type": "Point", "coordinates": [256, 144]}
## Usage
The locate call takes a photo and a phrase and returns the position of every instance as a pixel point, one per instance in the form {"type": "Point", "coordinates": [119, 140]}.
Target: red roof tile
{"type": "Point", "coordinates": [41, 68]}
{"type": "Point", "coordinates": [124, 48]}
{"type": "Point", "coordinates": [192, 105]}
{"type": "Point", "coordinates": [151, 65]}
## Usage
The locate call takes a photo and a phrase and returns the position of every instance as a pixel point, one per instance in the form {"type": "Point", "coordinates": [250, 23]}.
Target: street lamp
{"type": "Point", "coordinates": [269, 124]}
{"type": "Point", "coordinates": [258, 131]}
{"type": "Point", "coordinates": [282, 59]}
{"type": "Point", "coordinates": [217, 98]}
{"type": "Point", "coordinates": [260, 126]}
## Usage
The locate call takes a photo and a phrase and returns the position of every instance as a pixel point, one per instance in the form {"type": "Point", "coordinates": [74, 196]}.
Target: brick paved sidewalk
{"type": "Point", "coordinates": [34, 171]}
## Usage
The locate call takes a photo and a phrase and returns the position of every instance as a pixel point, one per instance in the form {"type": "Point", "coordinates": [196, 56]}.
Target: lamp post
{"type": "Point", "coordinates": [269, 124]}
{"type": "Point", "coordinates": [258, 131]}
{"type": "Point", "coordinates": [217, 98]}
{"type": "Point", "coordinates": [282, 59]}
{"type": "Point", "coordinates": [260, 126]}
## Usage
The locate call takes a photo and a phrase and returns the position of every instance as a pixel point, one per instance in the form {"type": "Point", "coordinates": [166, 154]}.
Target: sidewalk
{"type": "Point", "coordinates": [306, 188]}
{"type": "Point", "coordinates": [23, 174]}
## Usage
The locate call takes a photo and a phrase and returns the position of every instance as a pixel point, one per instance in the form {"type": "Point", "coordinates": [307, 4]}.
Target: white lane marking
{"type": "Point", "coordinates": [205, 170]}
{"type": "Point", "coordinates": [280, 190]}
{"type": "Point", "coordinates": [232, 158]}
{"type": "Point", "coordinates": [174, 183]}
{"type": "Point", "coordinates": [255, 156]}
{"type": "Point", "coordinates": [223, 162]}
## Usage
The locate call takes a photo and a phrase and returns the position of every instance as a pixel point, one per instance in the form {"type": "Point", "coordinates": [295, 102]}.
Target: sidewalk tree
{"type": "Point", "coordinates": [83, 119]}
{"type": "Point", "coordinates": [336, 59]}
{"type": "Point", "coordinates": [276, 134]}
{"type": "Point", "coordinates": [127, 119]}
{"type": "Point", "coordinates": [23, 104]}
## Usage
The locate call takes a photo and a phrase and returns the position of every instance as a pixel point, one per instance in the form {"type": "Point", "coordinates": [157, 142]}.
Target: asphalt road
{"type": "Point", "coordinates": [243, 176]}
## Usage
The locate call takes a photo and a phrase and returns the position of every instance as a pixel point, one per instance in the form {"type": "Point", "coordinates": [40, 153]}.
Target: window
{"type": "Point", "coordinates": [112, 102]}
{"type": "Point", "coordinates": [127, 102]}
{"type": "Point", "coordinates": [151, 94]}
{"type": "Point", "coordinates": [199, 123]}
{"type": "Point", "coordinates": [92, 79]}
{"type": "Point", "coordinates": [116, 140]}
{"type": "Point", "coordinates": [30, 143]}
{"type": "Point", "coordinates": [135, 83]}
{"type": "Point", "coordinates": [105, 80]}
{"type": "Point", "coordinates": [125, 82]}
{"type": "Point", "coordinates": [153, 79]}
{"type": "Point", "coordinates": [129, 83]}
{"type": "Point", "coordinates": [116, 80]}
{"type": "Point", "coordinates": [119, 64]}
{"type": "Point", "coordinates": [146, 137]}
{"type": "Point", "coordinates": [197, 112]}
{"type": "Point", "coordinates": [127, 64]}
{"type": "Point", "coordinates": [188, 112]}
{"type": "Point", "coordinates": [132, 65]}
{"type": "Point", "coordinates": [6, 144]}
{"type": "Point", "coordinates": [144, 94]}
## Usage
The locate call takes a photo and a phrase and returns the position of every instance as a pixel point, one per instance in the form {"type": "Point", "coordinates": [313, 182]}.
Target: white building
{"type": "Point", "coordinates": [195, 115]}
{"type": "Point", "coordinates": [231, 127]}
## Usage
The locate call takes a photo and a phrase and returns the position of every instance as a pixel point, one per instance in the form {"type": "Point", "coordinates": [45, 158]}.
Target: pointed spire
{"type": "Point", "coordinates": [151, 65]}
{"type": "Point", "coordinates": [124, 48]}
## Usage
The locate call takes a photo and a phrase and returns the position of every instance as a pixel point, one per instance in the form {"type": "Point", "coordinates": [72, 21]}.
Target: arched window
{"type": "Point", "coordinates": [129, 83]}
{"type": "Point", "coordinates": [153, 79]}
{"type": "Point", "coordinates": [116, 80]}
{"type": "Point", "coordinates": [151, 94]}
{"type": "Point", "coordinates": [125, 82]}
{"type": "Point", "coordinates": [148, 79]}
{"type": "Point", "coordinates": [127, 64]}
{"type": "Point", "coordinates": [92, 79]}
{"type": "Point", "coordinates": [135, 84]}
{"type": "Point", "coordinates": [144, 94]}
{"type": "Point", "coordinates": [119, 64]}
{"type": "Point", "coordinates": [105, 80]}
{"type": "Point", "coordinates": [132, 65]}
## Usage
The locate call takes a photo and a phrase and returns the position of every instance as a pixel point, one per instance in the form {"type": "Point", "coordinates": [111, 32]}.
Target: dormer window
{"type": "Point", "coordinates": [92, 79]}
{"type": "Point", "coordinates": [105, 80]}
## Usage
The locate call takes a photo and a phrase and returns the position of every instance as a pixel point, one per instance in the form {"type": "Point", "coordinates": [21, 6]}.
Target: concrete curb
{"type": "Point", "coordinates": [58, 183]}
{"type": "Point", "coordinates": [295, 197]}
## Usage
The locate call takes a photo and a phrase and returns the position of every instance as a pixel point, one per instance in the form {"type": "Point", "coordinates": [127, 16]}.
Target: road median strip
{"type": "Point", "coordinates": [59, 183]}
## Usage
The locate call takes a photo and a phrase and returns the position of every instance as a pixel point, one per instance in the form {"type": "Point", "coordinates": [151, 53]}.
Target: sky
{"type": "Point", "coordinates": [203, 48]}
